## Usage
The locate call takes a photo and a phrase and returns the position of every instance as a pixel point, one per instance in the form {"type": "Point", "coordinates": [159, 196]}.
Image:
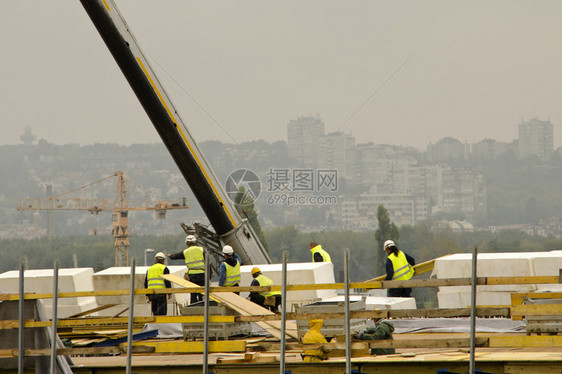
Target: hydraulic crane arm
{"type": "Point", "coordinates": [182, 147]}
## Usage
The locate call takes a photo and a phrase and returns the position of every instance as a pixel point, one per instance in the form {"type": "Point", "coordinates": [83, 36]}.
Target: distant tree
{"type": "Point", "coordinates": [245, 207]}
{"type": "Point", "coordinates": [386, 230]}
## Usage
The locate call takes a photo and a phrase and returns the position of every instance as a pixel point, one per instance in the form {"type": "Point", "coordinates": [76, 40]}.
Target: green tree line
{"type": "Point", "coordinates": [424, 242]}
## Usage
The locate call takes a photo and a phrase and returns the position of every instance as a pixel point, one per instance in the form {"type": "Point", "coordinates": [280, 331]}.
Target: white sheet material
{"type": "Point", "coordinates": [509, 264]}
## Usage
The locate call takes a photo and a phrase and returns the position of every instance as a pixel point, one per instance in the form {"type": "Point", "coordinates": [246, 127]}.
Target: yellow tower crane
{"type": "Point", "coordinates": [120, 208]}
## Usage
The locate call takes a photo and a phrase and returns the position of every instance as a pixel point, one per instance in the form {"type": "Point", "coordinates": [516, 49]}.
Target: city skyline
{"type": "Point", "coordinates": [401, 73]}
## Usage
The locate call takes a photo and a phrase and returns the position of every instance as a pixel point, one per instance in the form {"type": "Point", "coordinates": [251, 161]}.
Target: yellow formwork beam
{"type": "Point", "coordinates": [510, 341]}
{"type": "Point", "coordinates": [194, 347]}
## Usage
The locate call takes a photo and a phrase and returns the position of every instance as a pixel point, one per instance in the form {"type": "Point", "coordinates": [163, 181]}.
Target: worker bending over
{"type": "Point", "coordinates": [153, 281]}
{"type": "Point", "coordinates": [229, 271]}
{"type": "Point", "coordinates": [314, 336]}
{"type": "Point", "coordinates": [195, 261]}
{"type": "Point", "coordinates": [270, 300]}
{"type": "Point", "coordinates": [382, 331]}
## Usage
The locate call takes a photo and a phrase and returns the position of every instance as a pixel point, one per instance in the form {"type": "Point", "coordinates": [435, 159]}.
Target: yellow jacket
{"type": "Point", "coordinates": [314, 336]}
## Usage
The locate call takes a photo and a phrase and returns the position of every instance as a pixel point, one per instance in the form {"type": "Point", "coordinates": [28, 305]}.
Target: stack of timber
{"type": "Point", "coordinates": [244, 307]}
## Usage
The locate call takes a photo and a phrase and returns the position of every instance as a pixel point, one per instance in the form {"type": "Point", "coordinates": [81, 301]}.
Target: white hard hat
{"type": "Point", "coordinates": [190, 239]}
{"type": "Point", "coordinates": [160, 255]}
{"type": "Point", "coordinates": [388, 244]}
{"type": "Point", "coordinates": [227, 250]}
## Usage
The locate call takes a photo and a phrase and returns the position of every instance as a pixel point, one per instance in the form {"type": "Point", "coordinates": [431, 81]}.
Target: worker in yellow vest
{"type": "Point", "coordinates": [195, 261]}
{"type": "Point", "coordinates": [398, 267]}
{"type": "Point", "coordinates": [153, 282]}
{"type": "Point", "coordinates": [229, 271]}
{"type": "Point", "coordinates": [260, 297]}
{"type": "Point", "coordinates": [318, 254]}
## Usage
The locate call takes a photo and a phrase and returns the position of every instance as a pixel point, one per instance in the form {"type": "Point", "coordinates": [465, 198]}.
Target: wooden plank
{"type": "Point", "coordinates": [406, 343]}
{"type": "Point", "coordinates": [518, 298]}
{"type": "Point", "coordinates": [73, 351]}
{"type": "Point", "coordinates": [395, 313]}
{"type": "Point", "coordinates": [114, 321]}
{"type": "Point", "coordinates": [522, 280]}
{"type": "Point", "coordinates": [537, 310]}
{"type": "Point", "coordinates": [510, 341]}
{"type": "Point", "coordinates": [261, 359]}
{"type": "Point", "coordinates": [244, 307]}
{"type": "Point", "coordinates": [99, 308]}
{"type": "Point", "coordinates": [182, 347]}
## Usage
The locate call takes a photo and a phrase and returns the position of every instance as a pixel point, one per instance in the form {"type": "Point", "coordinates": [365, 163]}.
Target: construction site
{"type": "Point", "coordinates": [513, 328]}
{"type": "Point", "coordinates": [497, 312]}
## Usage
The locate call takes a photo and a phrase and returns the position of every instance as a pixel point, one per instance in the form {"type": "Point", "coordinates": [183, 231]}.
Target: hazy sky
{"type": "Point", "coordinates": [467, 69]}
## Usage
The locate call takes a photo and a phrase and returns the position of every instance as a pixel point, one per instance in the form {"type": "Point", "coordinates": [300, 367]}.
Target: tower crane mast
{"type": "Point", "coordinates": [120, 208]}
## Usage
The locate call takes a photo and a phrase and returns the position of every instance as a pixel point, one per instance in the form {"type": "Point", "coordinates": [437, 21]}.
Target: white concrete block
{"type": "Point", "coordinates": [547, 264]}
{"type": "Point", "coordinates": [118, 278]}
{"type": "Point", "coordinates": [297, 273]}
{"type": "Point", "coordinates": [41, 281]}
{"type": "Point", "coordinates": [508, 264]}
{"type": "Point", "coordinates": [463, 299]}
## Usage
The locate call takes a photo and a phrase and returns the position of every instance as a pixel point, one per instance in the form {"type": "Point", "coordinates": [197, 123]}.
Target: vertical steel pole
{"type": "Point", "coordinates": [283, 311]}
{"type": "Point", "coordinates": [55, 312]}
{"type": "Point", "coordinates": [206, 316]}
{"type": "Point", "coordinates": [20, 316]}
{"type": "Point", "coordinates": [131, 318]}
{"type": "Point", "coordinates": [346, 306]}
{"type": "Point", "coordinates": [473, 310]}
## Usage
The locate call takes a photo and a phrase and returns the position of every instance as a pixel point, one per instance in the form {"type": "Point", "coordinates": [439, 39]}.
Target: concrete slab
{"type": "Point", "coordinates": [41, 281]}
{"type": "Point", "coordinates": [548, 264]}
{"type": "Point", "coordinates": [509, 264]}
{"type": "Point", "coordinates": [463, 299]}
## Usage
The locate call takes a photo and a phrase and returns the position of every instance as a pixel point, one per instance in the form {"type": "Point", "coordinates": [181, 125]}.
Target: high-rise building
{"type": "Point", "coordinates": [446, 150]}
{"type": "Point", "coordinates": [338, 152]}
{"type": "Point", "coordinates": [27, 137]}
{"type": "Point", "coordinates": [536, 138]}
{"type": "Point", "coordinates": [303, 140]}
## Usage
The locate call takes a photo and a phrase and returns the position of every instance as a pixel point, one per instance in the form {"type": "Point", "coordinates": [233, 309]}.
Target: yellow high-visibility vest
{"type": "Point", "coordinates": [323, 253]}
{"type": "Point", "coordinates": [402, 269]}
{"type": "Point", "coordinates": [232, 274]}
{"type": "Point", "coordinates": [194, 259]}
{"type": "Point", "coordinates": [153, 276]}
{"type": "Point", "coordinates": [265, 281]}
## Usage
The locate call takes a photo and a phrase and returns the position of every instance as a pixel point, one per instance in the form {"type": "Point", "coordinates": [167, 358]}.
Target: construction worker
{"type": "Point", "coordinates": [318, 254]}
{"type": "Point", "coordinates": [398, 267]}
{"type": "Point", "coordinates": [195, 261]}
{"type": "Point", "coordinates": [229, 271]}
{"type": "Point", "coordinates": [153, 281]}
{"type": "Point", "coordinates": [260, 297]}
{"type": "Point", "coordinates": [314, 336]}
{"type": "Point", "coordinates": [382, 331]}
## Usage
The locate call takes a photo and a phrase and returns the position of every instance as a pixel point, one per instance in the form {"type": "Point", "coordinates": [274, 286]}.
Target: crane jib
{"type": "Point", "coordinates": [228, 225]}
{"type": "Point", "coordinates": [194, 174]}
